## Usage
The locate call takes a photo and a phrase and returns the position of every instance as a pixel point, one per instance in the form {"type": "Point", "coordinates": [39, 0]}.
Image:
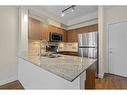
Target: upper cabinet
{"type": "Point", "coordinates": [52, 28]}
{"type": "Point", "coordinates": [34, 29]}
{"type": "Point", "coordinates": [72, 35]}
{"type": "Point", "coordinates": [64, 33]}
{"type": "Point", "coordinates": [90, 28]}
{"type": "Point", "coordinates": [40, 31]}
{"type": "Point", "coordinates": [44, 31]}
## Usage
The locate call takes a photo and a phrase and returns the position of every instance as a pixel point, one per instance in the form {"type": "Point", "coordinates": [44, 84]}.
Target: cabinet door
{"type": "Point", "coordinates": [34, 29]}
{"type": "Point", "coordinates": [90, 77]}
{"type": "Point", "coordinates": [52, 28]}
{"type": "Point", "coordinates": [59, 30]}
{"type": "Point", "coordinates": [72, 36]}
{"type": "Point", "coordinates": [64, 34]}
{"type": "Point", "coordinates": [44, 30]}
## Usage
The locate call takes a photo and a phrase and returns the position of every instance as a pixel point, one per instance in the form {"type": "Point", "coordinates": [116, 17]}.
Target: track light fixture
{"type": "Point", "coordinates": [71, 7]}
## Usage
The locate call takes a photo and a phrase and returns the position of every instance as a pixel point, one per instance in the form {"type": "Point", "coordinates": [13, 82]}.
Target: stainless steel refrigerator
{"type": "Point", "coordinates": [88, 45]}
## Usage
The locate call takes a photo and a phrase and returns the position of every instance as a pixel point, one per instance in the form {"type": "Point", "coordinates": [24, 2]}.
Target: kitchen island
{"type": "Point", "coordinates": [64, 72]}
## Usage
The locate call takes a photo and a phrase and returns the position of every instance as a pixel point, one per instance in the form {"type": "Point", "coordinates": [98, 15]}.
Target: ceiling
{"type": "Point", "coordinates": [79, 11]}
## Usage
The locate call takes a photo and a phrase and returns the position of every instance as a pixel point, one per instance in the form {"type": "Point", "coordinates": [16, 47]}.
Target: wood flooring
{"type": "Point", "coordinates": [111, 81]}
{"type": "Point", "coordinates": [108, 82]}
{"type": "Point", "coordinates": [13, 85]}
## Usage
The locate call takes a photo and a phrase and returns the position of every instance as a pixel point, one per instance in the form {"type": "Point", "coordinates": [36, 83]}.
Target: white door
{"type": "Point", "coordinates": [118, 48]}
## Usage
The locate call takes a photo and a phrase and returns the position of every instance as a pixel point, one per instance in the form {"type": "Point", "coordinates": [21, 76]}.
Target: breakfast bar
{"type": "Point", "coordinates": [63, 72]}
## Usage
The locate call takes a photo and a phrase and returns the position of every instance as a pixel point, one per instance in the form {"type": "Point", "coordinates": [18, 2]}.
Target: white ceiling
{"type": "Point", "coordinates": [83, 15]}
{"type": "Point", "coordinates": [79, 11]}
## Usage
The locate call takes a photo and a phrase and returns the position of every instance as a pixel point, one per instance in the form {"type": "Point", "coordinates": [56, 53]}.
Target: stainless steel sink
{"type": "Point", "coordinates": [51, 55]}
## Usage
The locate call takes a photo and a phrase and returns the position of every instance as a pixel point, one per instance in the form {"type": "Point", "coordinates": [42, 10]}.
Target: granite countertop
{"type": "Point", "coordinates": [67, 67]}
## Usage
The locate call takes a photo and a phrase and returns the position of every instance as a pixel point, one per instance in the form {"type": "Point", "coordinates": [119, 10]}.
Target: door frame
{"type": "Point", "coordinates": [107, 42]}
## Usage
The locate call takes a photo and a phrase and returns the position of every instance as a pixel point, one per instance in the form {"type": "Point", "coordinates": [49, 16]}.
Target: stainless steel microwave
{"type": "Point", "coordinates": [55, 37]}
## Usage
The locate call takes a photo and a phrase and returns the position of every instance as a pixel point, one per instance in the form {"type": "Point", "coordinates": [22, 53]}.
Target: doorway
{"type": "Point", "coordinates": [117, 49]}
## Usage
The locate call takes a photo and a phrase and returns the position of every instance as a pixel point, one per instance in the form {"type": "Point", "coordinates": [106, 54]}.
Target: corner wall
{"type": "Point", "coordinates": [8, 44]}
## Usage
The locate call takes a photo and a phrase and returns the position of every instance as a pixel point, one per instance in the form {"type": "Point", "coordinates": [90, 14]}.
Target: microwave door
{"type": "Point", "coordinates": [55, 37]}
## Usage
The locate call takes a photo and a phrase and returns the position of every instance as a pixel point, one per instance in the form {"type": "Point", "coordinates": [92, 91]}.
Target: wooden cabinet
{"type": "Point", "coordinates": [59, 30]}
{"type": "Point", "coordinates": [64, 33]}
{"type": "Point", "coordinates": [90, 77]}
{"type": "Point", "coordinates": [90, 28]}
{"type": "Point", "coordinates": [34, 29]}
{"type": "Point", "coordinates": [72, 36]}
{"type": "Point", "coordinates": [44, 31]}
{"type": "Point", "coordinates": [71, 53]}
{"type": "Point", "coordinates": [40, 31]}
{"type": "Point", "coordinates": [52, 28]}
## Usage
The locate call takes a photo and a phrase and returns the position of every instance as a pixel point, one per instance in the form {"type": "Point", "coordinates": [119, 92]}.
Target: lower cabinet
{"type": "Point", "coordinates": [69, 53]}
{"type": "Point", "coordinates": [90, 77]}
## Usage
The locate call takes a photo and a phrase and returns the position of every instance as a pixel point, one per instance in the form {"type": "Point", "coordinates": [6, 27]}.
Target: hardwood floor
{"type": "Point", "coordinates": [111, 81]}
{"type": "Point", "coordinates": [108, 82]}
{"type": "Point", "coordinates": [13, 85]}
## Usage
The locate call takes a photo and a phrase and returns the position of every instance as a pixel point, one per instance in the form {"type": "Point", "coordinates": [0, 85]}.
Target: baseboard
{"type": "Point", "coordinates": [100, 75]}
{"type": "Point", "coordinates": [11, 79]}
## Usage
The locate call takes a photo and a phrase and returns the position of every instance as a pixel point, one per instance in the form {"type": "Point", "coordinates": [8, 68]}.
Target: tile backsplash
{"type": "Point", "coordinates": [34, 47]}
{"type": "Point", "coordinates": [68, 46]}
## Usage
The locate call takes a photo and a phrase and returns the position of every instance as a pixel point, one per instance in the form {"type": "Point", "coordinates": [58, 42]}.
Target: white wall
{"type": "Point", "coordinates": [8, 44]}
{"type": "Point", "coordinates": [112, 14]}
{"type": "Point", "coordinates": [101, 42]}
{"type": "Point", "coordinates": [23, 30]}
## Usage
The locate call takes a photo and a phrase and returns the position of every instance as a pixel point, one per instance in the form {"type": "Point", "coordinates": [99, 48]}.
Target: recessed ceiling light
{"type": "Point", "coordinates": [62, 14]}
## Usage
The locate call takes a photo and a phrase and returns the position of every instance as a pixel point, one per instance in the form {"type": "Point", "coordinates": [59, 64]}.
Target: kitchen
{"type": "Point", "coordinates": [63, 47]}
{"type": "Point", "coordinates": [48, 42]}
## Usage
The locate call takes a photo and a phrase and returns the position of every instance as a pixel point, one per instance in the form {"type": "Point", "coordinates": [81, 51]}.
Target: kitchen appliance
{"type": "Point", "coordinates": [52, 48]}
{"type": "Point", "coordinates": [55, 37]}
{"type": "Point", "coordinates": [88, 46]}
